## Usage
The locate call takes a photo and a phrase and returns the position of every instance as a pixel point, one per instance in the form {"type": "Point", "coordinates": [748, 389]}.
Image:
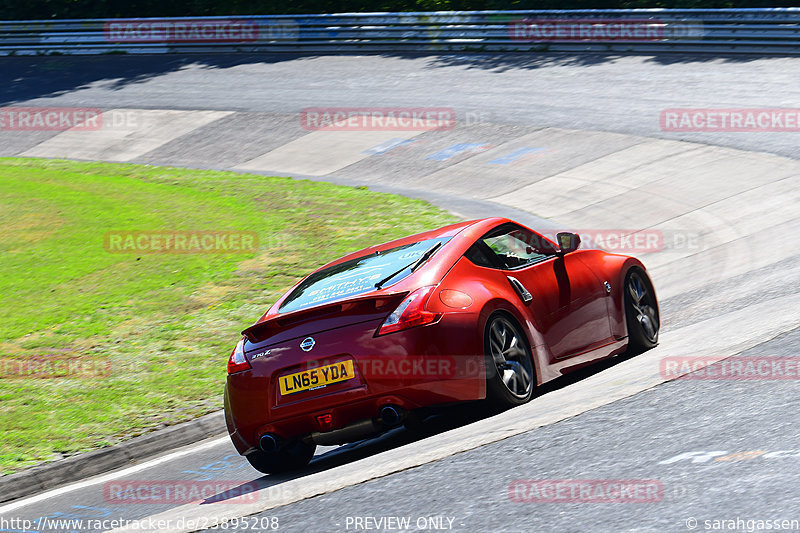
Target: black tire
{"type": "Point", "coordinates": [293, 456]}
{"type": "Point", "coordinates": [510, 374]}
{"type": "Point", "coordinates": [641, 312]}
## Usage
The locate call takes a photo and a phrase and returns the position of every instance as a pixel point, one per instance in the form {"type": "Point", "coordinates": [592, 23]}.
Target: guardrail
{"type": "Point", "coordinates": [774, 30]}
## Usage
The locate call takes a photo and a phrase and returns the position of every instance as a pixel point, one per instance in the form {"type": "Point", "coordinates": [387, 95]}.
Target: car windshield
{"type": "Point", "coordinates": [357, 276]}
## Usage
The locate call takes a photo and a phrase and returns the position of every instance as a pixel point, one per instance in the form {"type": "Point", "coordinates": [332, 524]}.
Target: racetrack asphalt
{"type": "Point", "coordinates": [499, 99]}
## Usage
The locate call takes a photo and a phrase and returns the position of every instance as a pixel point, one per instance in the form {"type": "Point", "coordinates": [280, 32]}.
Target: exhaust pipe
{"type": "Point", "coordinates": [392, 416]}
{"type": "Point", "coordinates": [268, 443]}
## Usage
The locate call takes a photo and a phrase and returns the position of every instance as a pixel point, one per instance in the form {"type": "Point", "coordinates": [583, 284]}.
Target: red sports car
{"type": "Point", "coordinates": [486, 309]}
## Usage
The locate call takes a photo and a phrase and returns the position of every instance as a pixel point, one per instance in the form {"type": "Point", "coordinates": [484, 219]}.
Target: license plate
{"type": "Point", "coordinates": [315, 378]}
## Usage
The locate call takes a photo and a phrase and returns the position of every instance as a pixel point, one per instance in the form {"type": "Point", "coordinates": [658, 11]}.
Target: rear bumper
{"type": "Point", "coordinates": [420, 367]}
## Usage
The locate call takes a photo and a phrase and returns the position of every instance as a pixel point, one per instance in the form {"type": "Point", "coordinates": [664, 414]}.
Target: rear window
{"type": "Point", "coordinates": [357, 276]}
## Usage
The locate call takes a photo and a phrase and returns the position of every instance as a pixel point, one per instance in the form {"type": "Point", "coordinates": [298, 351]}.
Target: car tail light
{"type": "Point", "coordinates": [410, 313]}
{"type": "Point", "coordinates": [237, 361]}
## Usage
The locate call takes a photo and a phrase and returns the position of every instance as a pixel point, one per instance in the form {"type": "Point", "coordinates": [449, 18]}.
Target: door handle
{"type": "Point", "coordinates": [520, 288]}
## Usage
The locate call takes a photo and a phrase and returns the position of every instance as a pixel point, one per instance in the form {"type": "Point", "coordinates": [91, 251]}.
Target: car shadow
{"type": "Point", "coordinates": [445, 419]}
{"type": "Point", "coordinates": [438, 421]}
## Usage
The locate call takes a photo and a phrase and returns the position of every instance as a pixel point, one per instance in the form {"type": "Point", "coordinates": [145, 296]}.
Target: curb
{"type": "Point", "coordinates": [79, 467]}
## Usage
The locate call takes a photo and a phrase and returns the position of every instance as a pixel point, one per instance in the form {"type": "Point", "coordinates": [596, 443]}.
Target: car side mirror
{"type": "Point", "coordinates": [567, 242]}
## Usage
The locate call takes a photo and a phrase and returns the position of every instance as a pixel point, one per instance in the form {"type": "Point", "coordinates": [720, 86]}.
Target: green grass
{"type": "Point", "coordinates": [165, 322]}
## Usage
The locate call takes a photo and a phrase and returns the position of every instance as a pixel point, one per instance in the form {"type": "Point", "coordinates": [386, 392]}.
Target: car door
{"type": "Point", "coordinates": [565, 299]}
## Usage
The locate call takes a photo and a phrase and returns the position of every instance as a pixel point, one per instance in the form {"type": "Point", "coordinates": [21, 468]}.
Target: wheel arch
{"type": "Point", "coordinates": [633, 266]}
{"type": "Point", "coordinates": [530, 332]}
{"type": "Point", "coordinates": [616, 268]}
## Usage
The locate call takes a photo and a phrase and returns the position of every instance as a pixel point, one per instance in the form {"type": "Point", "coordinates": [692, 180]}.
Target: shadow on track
{"type": "Point", "coordinates": [437, 421]}
{"type": "Point", "coordinates": [31, 77]}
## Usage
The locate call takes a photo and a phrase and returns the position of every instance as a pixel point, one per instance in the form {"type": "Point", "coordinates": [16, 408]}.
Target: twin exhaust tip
{"type": "Point", "coordinates": [268, 442]}
{"type": "Point", "coordinates": [391, 416]}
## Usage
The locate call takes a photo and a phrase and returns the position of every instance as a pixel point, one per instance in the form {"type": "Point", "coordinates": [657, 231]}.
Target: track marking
{"type": "Point", "coordinates": [191, 448]}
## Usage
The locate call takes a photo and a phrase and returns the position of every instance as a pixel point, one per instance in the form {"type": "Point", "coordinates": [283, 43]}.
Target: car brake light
{"type": "Point", "coordinates": [410, 313]}
{"type": "Point", "coordinates": [237, 361]}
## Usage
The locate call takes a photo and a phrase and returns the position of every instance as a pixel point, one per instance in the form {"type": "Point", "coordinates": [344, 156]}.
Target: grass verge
{"type": "Point", "coordinates": [163, 323]}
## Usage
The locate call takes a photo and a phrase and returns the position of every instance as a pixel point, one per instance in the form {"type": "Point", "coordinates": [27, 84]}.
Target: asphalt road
{"type": "Point", "coordinates": [590, 91]}
{"type": "Point", "coordinates": [661, 434]}
{"type": "Point", "coordinates": [629, 439]}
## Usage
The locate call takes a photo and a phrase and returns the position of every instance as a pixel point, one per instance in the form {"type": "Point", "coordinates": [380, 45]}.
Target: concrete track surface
{"type": "Point", "coordinates": [557, 141]}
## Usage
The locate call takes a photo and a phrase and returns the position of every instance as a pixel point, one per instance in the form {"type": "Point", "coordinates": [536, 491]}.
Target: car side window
{"type": "Point", "coordinates": [516, 247]}
{"type": "Point", "coordinates": [482, 255]}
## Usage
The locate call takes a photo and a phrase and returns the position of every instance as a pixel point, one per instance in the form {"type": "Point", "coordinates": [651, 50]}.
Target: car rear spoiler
{"type": "Point", "coordinates": [328, 315]}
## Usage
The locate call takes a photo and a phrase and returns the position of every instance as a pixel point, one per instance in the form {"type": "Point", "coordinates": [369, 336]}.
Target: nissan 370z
{"type": "Point", "coordinates": [481, 310]}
